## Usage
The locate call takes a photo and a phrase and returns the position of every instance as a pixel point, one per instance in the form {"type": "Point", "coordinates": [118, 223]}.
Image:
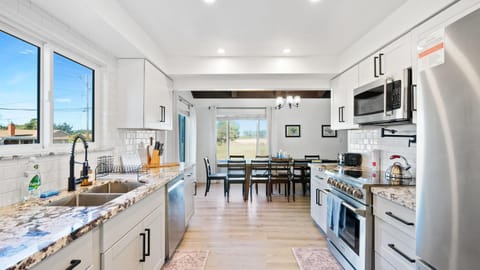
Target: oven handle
{"type": "Point", "coordinates": [357, 211]}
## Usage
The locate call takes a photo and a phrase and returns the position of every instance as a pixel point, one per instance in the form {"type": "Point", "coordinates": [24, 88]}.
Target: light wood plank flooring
{"type": "Point", "coordinates": [250, 235]}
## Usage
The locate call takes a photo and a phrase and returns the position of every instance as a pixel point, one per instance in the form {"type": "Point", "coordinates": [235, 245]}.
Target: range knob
{"type": "Point", "coordinates": [330, 181]}
{"type": "Point", "coordinates": [338, 184]}
{"type": "Point", "coordinates": [344, 187]}
{"type": "Point", "coordinates": [357, 193]}
{"type": "Point", "coordinates": [350, 190]}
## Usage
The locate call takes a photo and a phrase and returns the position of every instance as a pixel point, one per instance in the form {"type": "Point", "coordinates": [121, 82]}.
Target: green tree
{"type": "Point", "coordinates": [233, 134]}
{"type": "Point", "coordinates": [65, 127]}
{"type": "Point", "coordinates": [32, 124]}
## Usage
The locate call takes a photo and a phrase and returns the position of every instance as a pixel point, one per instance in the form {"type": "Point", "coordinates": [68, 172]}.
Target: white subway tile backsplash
{"type": "Point", "coordinates": [365, 140]}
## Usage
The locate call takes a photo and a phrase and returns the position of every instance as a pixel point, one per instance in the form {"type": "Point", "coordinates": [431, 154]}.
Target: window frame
{"type": "Point", "coordinates": [93, 59]}
{"type": "Point", "coordinates": [92, 67]}
{"type": "Point", "coordinates": [257, 137]}
{"type": "Point", "coordinates": [27, 148]}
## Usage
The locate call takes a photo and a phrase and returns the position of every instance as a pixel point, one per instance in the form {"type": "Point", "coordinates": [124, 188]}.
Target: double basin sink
{"type": "Point", "coordinates": [97, 195]}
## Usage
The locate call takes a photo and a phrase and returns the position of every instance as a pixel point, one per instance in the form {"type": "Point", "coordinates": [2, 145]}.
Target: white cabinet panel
{"type": "Point", "coordinates": [154, 228]}
{"type": "Point", "coordinates": [342, 99]}
{"type": "Point", "coordinates": [80, 252]}
{"type": "Point", "coordinates": [189, 193]}
{"type": "Point", "coordinates": [144, 95]}
{"type": "Point", "coordinates": [318, 198]}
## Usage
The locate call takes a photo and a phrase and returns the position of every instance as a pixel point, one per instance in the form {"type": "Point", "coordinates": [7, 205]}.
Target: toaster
{"type": "Point", "coordinates": [350, 159]}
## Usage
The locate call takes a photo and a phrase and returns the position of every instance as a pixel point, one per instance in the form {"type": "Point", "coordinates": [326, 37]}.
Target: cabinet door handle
{"type": "Point", "coordinates": [319, 197]}
{"type": "Point", "coordinates": [162, 114]}
{"type": "Point", "coordinates": [73, 264]}
{"type": "Point", "coordinates": [375, 59]}
{"type": "Point", "coordinates": [147, 253]}
{"type": "Point", "coordinates": [144, 239]}
{"type": "Point", "coordinates": [316, 196]}
{"type": "Point", "coordinates": [392, 246]}
{"type": "Point", "coordinates": [342, 110]}
{"type": "Point", "coordinates": [390, 214]}
{"type": "Point", "coordinates": [380, 71]}
{"type": "Point", "coordinates": [413, 98]}
{"type": "Point", "coordinates": [339, 114]}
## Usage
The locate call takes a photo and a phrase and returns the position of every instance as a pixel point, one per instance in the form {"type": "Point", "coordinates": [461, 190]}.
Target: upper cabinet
{"type": "Point", "coordinates": [342, 99]}
{"type": "Point", "coordinates": [389, 60]}
{"type": "Point", "coordinates": [145, 96]}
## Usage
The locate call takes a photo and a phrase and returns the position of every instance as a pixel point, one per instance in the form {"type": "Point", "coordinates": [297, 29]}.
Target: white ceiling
{"type": "Point", "coordinates": [257, 27]}
{"type": "Point", "coordinates": [182, 36]}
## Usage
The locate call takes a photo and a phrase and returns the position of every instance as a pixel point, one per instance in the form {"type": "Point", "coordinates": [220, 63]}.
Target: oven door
{"type": "Point", "coordinates": [383, 101]}
{"type": "Point", "coordinates": [351, 241]}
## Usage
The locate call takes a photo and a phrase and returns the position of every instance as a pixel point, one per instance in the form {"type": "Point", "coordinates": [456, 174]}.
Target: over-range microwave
{"type": "Point", "coordinates": [387, 100]}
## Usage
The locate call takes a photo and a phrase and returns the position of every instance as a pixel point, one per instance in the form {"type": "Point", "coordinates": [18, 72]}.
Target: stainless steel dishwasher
{"type": "Point", "coordinates": [175, 215]}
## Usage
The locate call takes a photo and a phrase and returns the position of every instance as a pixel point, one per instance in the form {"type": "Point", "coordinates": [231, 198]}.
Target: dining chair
{"type": "Point", "coordinates": [236, 174]}
{"type": "Point", "coordinates": [262, 157]}
{"type": "Point", "coordinates": [299, 175]}
{"type": "Point", "coordinates": [260, 173]}
{"type": "Point", "coordinates": [214, 176]}
{"type": "Point", "coordinates": [236, 157]}
{"type": "Point", "coordinates": [280, 174]}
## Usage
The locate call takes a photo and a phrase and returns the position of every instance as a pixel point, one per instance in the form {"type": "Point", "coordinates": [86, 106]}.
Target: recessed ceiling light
{"type": "Point", "coordinates": [221, 51]}
{"type": "Point", "coordinates": [315, 1]}
{"type": "Point", "coordinates": [287, 50]}
{"type": "Point", "coordinates": [209, 1]}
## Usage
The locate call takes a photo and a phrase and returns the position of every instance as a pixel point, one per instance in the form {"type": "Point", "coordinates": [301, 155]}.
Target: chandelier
{"type": "Point", "coordinates": [290, 101]}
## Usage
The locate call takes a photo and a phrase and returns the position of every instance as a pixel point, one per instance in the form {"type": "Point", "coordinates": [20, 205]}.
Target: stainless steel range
{"type": "Point", "coordinates": [352, 245]}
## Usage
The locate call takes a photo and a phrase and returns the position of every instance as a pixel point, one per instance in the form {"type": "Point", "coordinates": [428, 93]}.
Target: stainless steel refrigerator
{"type": "Point", "coordinates": [448, 186]}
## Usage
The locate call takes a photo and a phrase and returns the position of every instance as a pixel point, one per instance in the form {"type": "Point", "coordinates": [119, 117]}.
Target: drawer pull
{"type": "Point", "coordinates": [318, 177]}
{"type": "Point", "coordinates": [392, 246]}
{"type": "Point", "coordinates": [143, 246]}
{"type": "Point", "coordinates": [73, 264]}
{"type": "Point", "coordinates": [147, 253]}
{"type": "Point", "coordinates": [390, 214]}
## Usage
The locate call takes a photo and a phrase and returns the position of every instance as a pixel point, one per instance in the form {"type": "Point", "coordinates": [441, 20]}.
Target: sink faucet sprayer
{"type": "Point", "coordinates": [84, 175]}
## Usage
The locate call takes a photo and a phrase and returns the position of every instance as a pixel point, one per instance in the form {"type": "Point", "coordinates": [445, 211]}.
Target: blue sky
{"type": "Point", "coordinates": [18, 85]}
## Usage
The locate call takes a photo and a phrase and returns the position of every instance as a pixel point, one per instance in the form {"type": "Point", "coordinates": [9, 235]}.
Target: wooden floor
{"type": "Point", "coordinates": [250, 235]}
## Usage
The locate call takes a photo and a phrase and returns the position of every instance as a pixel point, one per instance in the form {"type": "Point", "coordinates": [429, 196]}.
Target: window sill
{"type": "Point", "coordinates": [38, 152]}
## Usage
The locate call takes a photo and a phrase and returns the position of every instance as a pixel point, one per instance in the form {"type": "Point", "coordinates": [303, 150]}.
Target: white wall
{"type": "Point", "coordinates": [311, 114]}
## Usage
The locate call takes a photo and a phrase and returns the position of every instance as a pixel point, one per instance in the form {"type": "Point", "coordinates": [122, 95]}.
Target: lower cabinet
{"type": "Point", "coordinates": [190, 181]}
{"type": "Point", "coordinates": [394, 235]}
{"type": "Point", "coordinates": [135, 238]}
{"type": "Point", "coordinates": [81, 254]}
{"type": "Point", "coordinates": [318, 198]}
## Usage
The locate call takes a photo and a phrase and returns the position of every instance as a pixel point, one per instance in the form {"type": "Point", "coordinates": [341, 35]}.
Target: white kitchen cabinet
{"type": "Point", "coordinates": [81, 254]}
{"type": "Point", "coordinates": [144, 95]}
{"type": "Point", "coordinates": [189, 192]}
{"type": "Point", "coordinates": [394, 235]}
{"type": "Point", "coordinates": [390, 60]}
{"type": "Point", "coordinates": [342, 99]}
{"type": "Point", "coordinates": [318, 198]}
{"type": "Point", "coordinates": [135, 238]}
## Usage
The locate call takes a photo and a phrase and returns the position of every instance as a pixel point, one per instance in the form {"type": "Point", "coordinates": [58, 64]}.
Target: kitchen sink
{"type": "Point", "coordinates": [115, 187]}
{"type": "Point", "coordinates": [85, 199]}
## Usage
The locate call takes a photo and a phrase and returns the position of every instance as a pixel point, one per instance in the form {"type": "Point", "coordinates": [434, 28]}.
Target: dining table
{"type": "Point", "coordinates": [248, 171]}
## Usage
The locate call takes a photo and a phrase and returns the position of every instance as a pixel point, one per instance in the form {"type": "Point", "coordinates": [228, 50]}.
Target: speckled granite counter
{"type": "Point", "coordinates": [31, 231]}
{"type": "Point", "coordinates": [402, 195]}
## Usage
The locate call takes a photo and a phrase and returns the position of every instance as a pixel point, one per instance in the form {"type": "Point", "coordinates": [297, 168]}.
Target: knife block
{"type": "Point", "coordinates": [154, 160]}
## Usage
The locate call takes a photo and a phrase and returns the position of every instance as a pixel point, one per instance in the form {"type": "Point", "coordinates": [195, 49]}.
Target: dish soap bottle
{"type": "Point", "coordinates": [35, 180]}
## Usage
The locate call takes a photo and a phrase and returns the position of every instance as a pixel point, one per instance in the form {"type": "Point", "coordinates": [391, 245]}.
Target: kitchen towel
{"type": "Point", "coordinates": [335, 213]}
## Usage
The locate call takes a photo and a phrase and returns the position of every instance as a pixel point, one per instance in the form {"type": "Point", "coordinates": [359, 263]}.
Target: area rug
{"type": "Point", "coordinates": [315, 258]}
{"type": "Point", "coordinates": [188, 260]}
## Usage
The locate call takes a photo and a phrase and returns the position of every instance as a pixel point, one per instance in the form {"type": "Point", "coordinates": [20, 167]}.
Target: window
{"type": "Point", "coordinates": [241, 132]}
{"type": "Point", "coordinates": [73, 92]}
{"type": "Point", "coordinates": [19, 91]}
{"type": "Point", "coordinates": [181, 135]}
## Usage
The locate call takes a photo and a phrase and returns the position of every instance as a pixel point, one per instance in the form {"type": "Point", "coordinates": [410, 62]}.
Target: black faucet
{"type": "Point", "coordinates": [84, 175]}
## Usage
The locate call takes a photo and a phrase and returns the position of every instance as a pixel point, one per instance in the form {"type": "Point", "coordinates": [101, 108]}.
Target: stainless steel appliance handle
{"type": "Point", "coordinates": [357, 211]}
{"type": "Point", "coordinates": [385, 94]}
{"type": "Point", "coordinates": [392, 246]}
{"type": "Point", "coordinates": [175, 185]}
{"type": "Point", "coordinates": [326, 191]}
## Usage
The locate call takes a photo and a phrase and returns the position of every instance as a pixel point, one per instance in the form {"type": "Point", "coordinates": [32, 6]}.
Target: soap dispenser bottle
{"type": "Point", "coordinates": [33, 173]}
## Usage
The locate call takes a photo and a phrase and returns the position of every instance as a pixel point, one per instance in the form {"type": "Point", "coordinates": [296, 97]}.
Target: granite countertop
{"type": "Point", "coordinates": [402, 195]}
{"type": "Point", "coordinates": [31, 231]}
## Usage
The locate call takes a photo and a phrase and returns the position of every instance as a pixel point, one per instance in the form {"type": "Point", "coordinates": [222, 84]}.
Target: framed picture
{"type": "Point", "coordinates": [327, 132]}
{"type": "Point", "coordinates": [292, 130]}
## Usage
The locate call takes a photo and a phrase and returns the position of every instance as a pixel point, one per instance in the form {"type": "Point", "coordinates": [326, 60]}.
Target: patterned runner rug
{"type": "Point", "coordinates": [187, 260]}
{"type": "Point", "coordinates": [315, 258]}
